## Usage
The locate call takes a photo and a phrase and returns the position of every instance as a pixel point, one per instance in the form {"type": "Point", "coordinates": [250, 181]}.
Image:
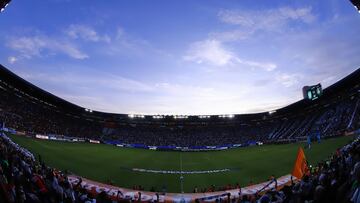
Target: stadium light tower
{"type": "Point", "coordinates": [4, 4]}
{"type": "Point", "coordinates": [356, 4]}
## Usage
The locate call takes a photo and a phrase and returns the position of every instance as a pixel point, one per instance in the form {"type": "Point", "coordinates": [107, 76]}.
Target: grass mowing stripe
{"type": "Point", "coordinates": [105, 162]}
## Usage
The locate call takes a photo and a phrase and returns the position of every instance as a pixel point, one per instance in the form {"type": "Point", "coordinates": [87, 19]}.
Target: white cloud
{"type": "Point", "coordinates": [271, 20]}
{"type": "Point", "coordinates": [27, 46]}
{"type": "Point", "coordinates": [209, 51]}
{"type": "Point", "coordinates": [120, 33]}
{"type": "Point", "coordinates": [247, 22]}
{"type": "Point", "coordinates": [234, 35]}
{"type": "Point", "coordinates": [213, 52]}
{"type": "Point", "coordinates": [207, 99]}
{"type": "Point", "coordinates": [69, 50]}
{"type": "Point", "coordinates": [102, 80]}
{"type": "Point", "coordinates": [38, 46]}
{"type": "Point", "coordinates": [264, 66]}
{"type": "Point", "coordinates": [236, 18]}
{"type": "Point", "coordinates": [12, 59]}
{"type": "Point", "coordinates": [101, 91]}
{"type": "Point", "coordinates": [86, 33]}
{"type": "Point", "coordinates": [174, 90]}
{"type": "Point", "coordinates": [129, 45]}
{"type": "Point", "coordinates": [288, 80]}
{"type": "Point", "coordinates": [302, 14]}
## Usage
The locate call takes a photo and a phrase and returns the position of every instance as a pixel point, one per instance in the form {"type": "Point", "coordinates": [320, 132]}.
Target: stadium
{"type": "Point", "coordinates": [56, 150]}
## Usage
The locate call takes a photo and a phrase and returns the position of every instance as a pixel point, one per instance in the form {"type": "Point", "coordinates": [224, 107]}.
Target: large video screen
{"type": "Point", "coordinates": [312, 92]}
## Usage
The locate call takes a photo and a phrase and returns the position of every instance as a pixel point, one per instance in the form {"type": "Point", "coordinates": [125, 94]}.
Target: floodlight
{"type": "Point", "coordinates": [356, 4]}
{"type": "Point", "coordinates": [4, 4]}
{"type": "Point", "coordinates": [271, 112]}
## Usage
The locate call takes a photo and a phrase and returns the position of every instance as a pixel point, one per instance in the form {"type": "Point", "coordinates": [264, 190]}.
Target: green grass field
{"type": "Point", "coordinates": [104, 162]}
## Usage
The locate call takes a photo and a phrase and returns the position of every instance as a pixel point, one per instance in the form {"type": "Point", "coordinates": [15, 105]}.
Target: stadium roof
{"type": "Point", "coordinates": [350, 81]}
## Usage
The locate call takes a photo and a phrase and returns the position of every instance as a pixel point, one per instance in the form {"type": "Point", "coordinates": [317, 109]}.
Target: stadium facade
{"type": "Point", "coordinates": [31, 110]}
{"type": "Point", "coordinates": [28, 110]}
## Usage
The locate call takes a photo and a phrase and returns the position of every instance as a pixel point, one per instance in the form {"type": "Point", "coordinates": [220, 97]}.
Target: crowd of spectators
{"type": "Point", "coordinates": [334, 180]}
{"type": "Point", "coordinates": [24, 179]}
{"type": "Point", "coordinates": [23, 112]}
{"type": "Point", "coordinates": [330, 121]}
{"type": "Point", "coordinates": [27, 114]}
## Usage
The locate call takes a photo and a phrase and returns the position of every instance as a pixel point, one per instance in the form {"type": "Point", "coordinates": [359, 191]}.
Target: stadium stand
{"type": "Point", "coordinates": [22, 179]}
{"type": "Point", "coordinates": [32, 111]}
{"type": "Point", "coordinates": [27, 108]}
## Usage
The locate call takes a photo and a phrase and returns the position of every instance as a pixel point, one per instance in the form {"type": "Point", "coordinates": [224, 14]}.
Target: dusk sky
{"type": "Point", "coordinates": [180, 57]}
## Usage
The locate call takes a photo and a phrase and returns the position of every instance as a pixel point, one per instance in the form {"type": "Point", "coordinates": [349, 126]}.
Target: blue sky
{"type": "Point", "coordinates": [180, 57]}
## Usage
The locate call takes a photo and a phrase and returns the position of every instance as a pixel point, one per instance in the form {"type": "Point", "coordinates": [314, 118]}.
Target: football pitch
{"type": "Point", "coordinates": [127, 167]}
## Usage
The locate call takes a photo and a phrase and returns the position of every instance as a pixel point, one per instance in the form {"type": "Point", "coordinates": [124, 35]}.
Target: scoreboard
{"type": "Point", "coordinates": [312, 92]}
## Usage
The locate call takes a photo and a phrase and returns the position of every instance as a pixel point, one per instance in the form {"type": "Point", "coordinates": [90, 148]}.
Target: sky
{"type": "Point", "coordinates": [188, 57]}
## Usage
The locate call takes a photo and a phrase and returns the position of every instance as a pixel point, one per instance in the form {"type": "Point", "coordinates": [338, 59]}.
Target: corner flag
{"type": "Point", "coordinates": [300, 166]}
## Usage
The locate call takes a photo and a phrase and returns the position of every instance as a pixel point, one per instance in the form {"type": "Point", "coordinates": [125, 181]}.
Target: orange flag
{"type": "Point", "coordinates": [300, 167]}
